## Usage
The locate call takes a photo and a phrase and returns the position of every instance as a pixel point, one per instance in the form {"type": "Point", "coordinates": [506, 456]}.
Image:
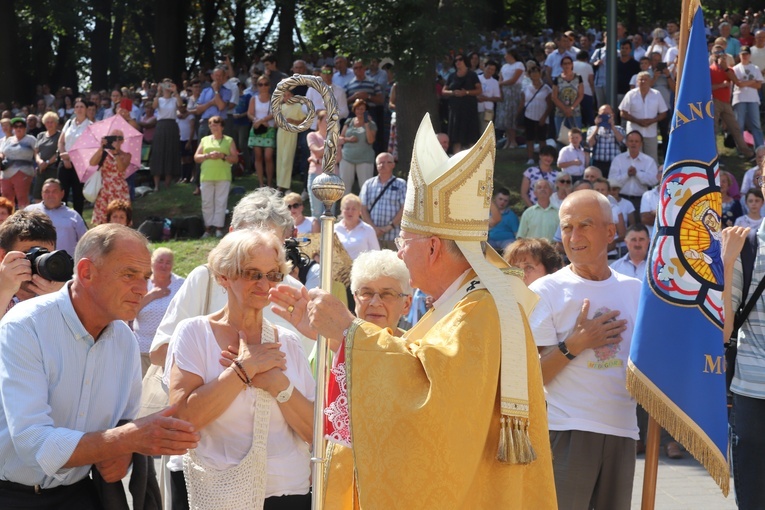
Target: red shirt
{"type": "Point", "coordinates": [719, 76]}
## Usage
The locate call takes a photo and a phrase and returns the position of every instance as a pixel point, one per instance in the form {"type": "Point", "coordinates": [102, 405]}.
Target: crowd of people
{"type": "Point", "coordinates": [232, 341]}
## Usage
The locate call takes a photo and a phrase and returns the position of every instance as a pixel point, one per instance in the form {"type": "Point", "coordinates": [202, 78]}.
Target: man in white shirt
{"type": "Point", "coordinates": [649, 204]}
{"type": "Point", "coordinates": [490, 94]}
{"type": "Point", "coordinates": [337, 91]}
{"type": "Point", "coordinates": [746, 95]}
{"type": "Point", "coordinates": [633, 170]}
{"type": "Point", "coordinates": [342, 76]}
{"type": "Point", "coordinates": [643, 108]}
{"type": "Point", "coordinates": [583, 327]}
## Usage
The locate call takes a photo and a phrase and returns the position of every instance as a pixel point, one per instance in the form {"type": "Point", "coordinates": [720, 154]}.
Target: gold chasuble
{"type": "Point", "coordinates": [425, 419]}
{"type": "Point", "coordinates": [451, 415]}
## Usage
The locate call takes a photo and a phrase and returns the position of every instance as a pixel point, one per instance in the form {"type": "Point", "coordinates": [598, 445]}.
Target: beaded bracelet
{"type": "Point", "coordinates": [246, 380]}
{"type": "Point", "coordinates": [233, 369]}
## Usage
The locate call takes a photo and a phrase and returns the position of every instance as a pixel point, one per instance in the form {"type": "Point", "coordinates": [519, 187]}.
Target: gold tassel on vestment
{"type": "Point", "coordinates": [682, 430]}
{"type": "Point", "coordinates": [514, 442]}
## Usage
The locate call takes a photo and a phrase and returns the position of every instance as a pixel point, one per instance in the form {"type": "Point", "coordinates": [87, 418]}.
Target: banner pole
{"type": "Point", "coordinates": [651, 468]}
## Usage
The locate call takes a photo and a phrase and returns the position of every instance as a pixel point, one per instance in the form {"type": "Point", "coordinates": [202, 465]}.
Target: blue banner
{"type": "Point", "coordinates": [677, 365]}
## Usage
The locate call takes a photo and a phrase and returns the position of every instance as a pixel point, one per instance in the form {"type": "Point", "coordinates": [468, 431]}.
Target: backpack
{"type": "Point", "coordinates": [191, 227]}
{"type": "Point", "coordinates": [152, 228]}
{"type": "Point", "coordinates": [748, 257]}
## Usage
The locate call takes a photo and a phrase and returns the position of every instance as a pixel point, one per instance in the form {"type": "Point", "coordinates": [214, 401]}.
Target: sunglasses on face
{"type": "Point", "coordinates": [565, 181]}
{"type": "Point", "coordinates": [326, 71]}
{"type": "Point", "coordinates": [264, 84]}
{"type": "Point", "coordinates": [460, 59]}
{"type": "Point", "coordinates": [254, 275]}
{"type": "Point", "coordinates": [294, 206]}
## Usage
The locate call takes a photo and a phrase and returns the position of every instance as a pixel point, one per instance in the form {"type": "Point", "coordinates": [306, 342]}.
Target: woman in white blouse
{"type": "Point", "coordinates": [355, 235]}
{"type": "Point", "coordinates": [73, 128]}
{"type": "Point", "coordinates": [252, 403]}
{"type": "Point", "coordinates": [166, 145]}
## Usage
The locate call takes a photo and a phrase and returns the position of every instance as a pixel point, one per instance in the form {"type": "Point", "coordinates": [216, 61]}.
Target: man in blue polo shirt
{"type": "Point", "coordinates": [70, 226]}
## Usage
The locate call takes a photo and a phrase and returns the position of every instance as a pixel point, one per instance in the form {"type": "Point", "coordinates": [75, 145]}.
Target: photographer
{"type": "Point", "coordinates": [605, 139]}
{"type": "Point", "coordinates": [113, 163]}
{"type": "Point", "coordinates": [21, 232]}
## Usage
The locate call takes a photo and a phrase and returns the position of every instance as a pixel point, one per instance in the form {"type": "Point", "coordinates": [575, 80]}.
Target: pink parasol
{"type": "Point", "coordinates": [90, 141]}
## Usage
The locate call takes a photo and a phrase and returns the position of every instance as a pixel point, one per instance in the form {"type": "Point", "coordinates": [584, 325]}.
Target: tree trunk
{"type": "Point", "coordinates": [65, 69]}
{"type": "Point", "coordinates": [239, 32]}
{"type": "Point", "coordinates": [285, 46]}
{"type": "Point", "coordinates": [209, 13]}
{"type": "Point", "coordinates": [557, 14]}
{"type": "Point", "coordinates": [99, 44]}
{"type": "Point", "coordinates": [42, 53]}
{"type": "Point", "coordinates": [115, 60]}
{"type": "Point", "coordinates": [415, 96]}
{"type": "Point", "coordinates": [267, 30]}
{"type": "Point", "coordinates": [170, 38]}
{"type": "Point", "coordinates": [8, 41]}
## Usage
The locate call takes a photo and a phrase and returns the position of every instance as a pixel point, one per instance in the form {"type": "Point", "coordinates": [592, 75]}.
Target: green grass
{"type": "Point", "coordinates": [179, 201]}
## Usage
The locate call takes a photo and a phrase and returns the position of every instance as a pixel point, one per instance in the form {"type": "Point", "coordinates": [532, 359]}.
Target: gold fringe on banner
{"type": "Point", "coordinates": [679, 425]}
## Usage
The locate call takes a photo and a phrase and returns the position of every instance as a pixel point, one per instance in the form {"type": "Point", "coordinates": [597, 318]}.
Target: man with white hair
{"type": "Point", "coordinates": [583, 326]}
{"type": "Point", "coordinates": [466, 344]}
{"type": "Point", "coordinates": [643, 108]}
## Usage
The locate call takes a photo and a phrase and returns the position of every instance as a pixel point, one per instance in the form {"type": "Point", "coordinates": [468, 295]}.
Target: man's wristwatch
{"type": "Point", "coordinates": [285, 395]}
{"type": "Point", "coordinates": [564, 350]}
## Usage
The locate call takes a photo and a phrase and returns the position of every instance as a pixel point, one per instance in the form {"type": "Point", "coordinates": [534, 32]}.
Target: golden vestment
{"type": "Point", "coordinates": [425, 418]}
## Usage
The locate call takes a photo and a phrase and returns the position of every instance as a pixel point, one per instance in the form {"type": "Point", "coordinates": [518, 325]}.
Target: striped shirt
{"type": "Point", "coordinates": [56, 384]}
{"type": "Point", "coordinates": [749, 379]}
{"type": "Point", "coordinates": [388, 206]}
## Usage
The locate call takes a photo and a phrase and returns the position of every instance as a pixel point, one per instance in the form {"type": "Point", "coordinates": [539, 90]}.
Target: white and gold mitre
{"type": "Point", "coordinates": [449, 197]}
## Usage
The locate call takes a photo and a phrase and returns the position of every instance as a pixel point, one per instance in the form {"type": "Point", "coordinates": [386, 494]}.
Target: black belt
{"type": "Point", "coordinates": [36, 489]}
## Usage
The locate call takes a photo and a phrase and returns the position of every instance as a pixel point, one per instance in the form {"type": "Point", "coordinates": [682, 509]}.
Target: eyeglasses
{"type": "Point", "coordinates": [386, 296]}
{"type": "Point", "coordinates": [358, 67]}
{"type": "Point", "coordinates": [294, 206]}
{"type": "Point", "coordinates": [459, 59]}
{"type": "Point", "coordinates": [254, 275]}
{"type": "Point", "coordinates": [119, 139]}
{"type": "Point", "coordinates": [565, 181]}
{"type": "Point", "coordinates": [326, 71]}
{"type": "Point", "coordinates": [19, 126]}
{"type": "Point", "coordinates": [264, 84]}
{"type": "Point", "coordinates": [401, 241]}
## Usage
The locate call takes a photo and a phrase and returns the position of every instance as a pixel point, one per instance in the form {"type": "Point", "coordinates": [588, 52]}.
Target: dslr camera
{"type": "Point", "coordinates": [110, 141]}
{"type": "Point", "coordinates": [56, 266]}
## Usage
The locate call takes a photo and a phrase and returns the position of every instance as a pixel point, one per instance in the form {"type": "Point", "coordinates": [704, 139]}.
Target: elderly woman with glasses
{"type": "Point", "coordinates": [254, 407]}
{"type": "Point", "coordinates": [113, 163]}
{"type": "Point", "coordinates": [17, 153]}
{"type": "Point", "coordinates": [216, 153]}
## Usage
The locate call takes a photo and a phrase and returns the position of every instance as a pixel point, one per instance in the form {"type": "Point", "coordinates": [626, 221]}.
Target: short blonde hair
{"type": "Point", "coordinates": [229, 257]}
{"type": "Point", "coordinates": [50, 115]}
{"type": "Point", "coordinates": [350, 197]}
{"type": "Point", "coordinates": [162, 251]}
{"type": "Point", "coordinates": [292, 197]}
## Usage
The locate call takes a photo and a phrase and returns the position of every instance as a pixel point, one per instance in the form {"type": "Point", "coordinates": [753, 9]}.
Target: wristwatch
{"type": "Point", "coordinates": [564, 349]}
{"type": "Point", "coordinates": [285, 395]}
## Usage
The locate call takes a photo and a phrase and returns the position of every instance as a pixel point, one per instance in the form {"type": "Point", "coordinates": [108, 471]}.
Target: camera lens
{"type": "Point", "coordinates": [55, 266]}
